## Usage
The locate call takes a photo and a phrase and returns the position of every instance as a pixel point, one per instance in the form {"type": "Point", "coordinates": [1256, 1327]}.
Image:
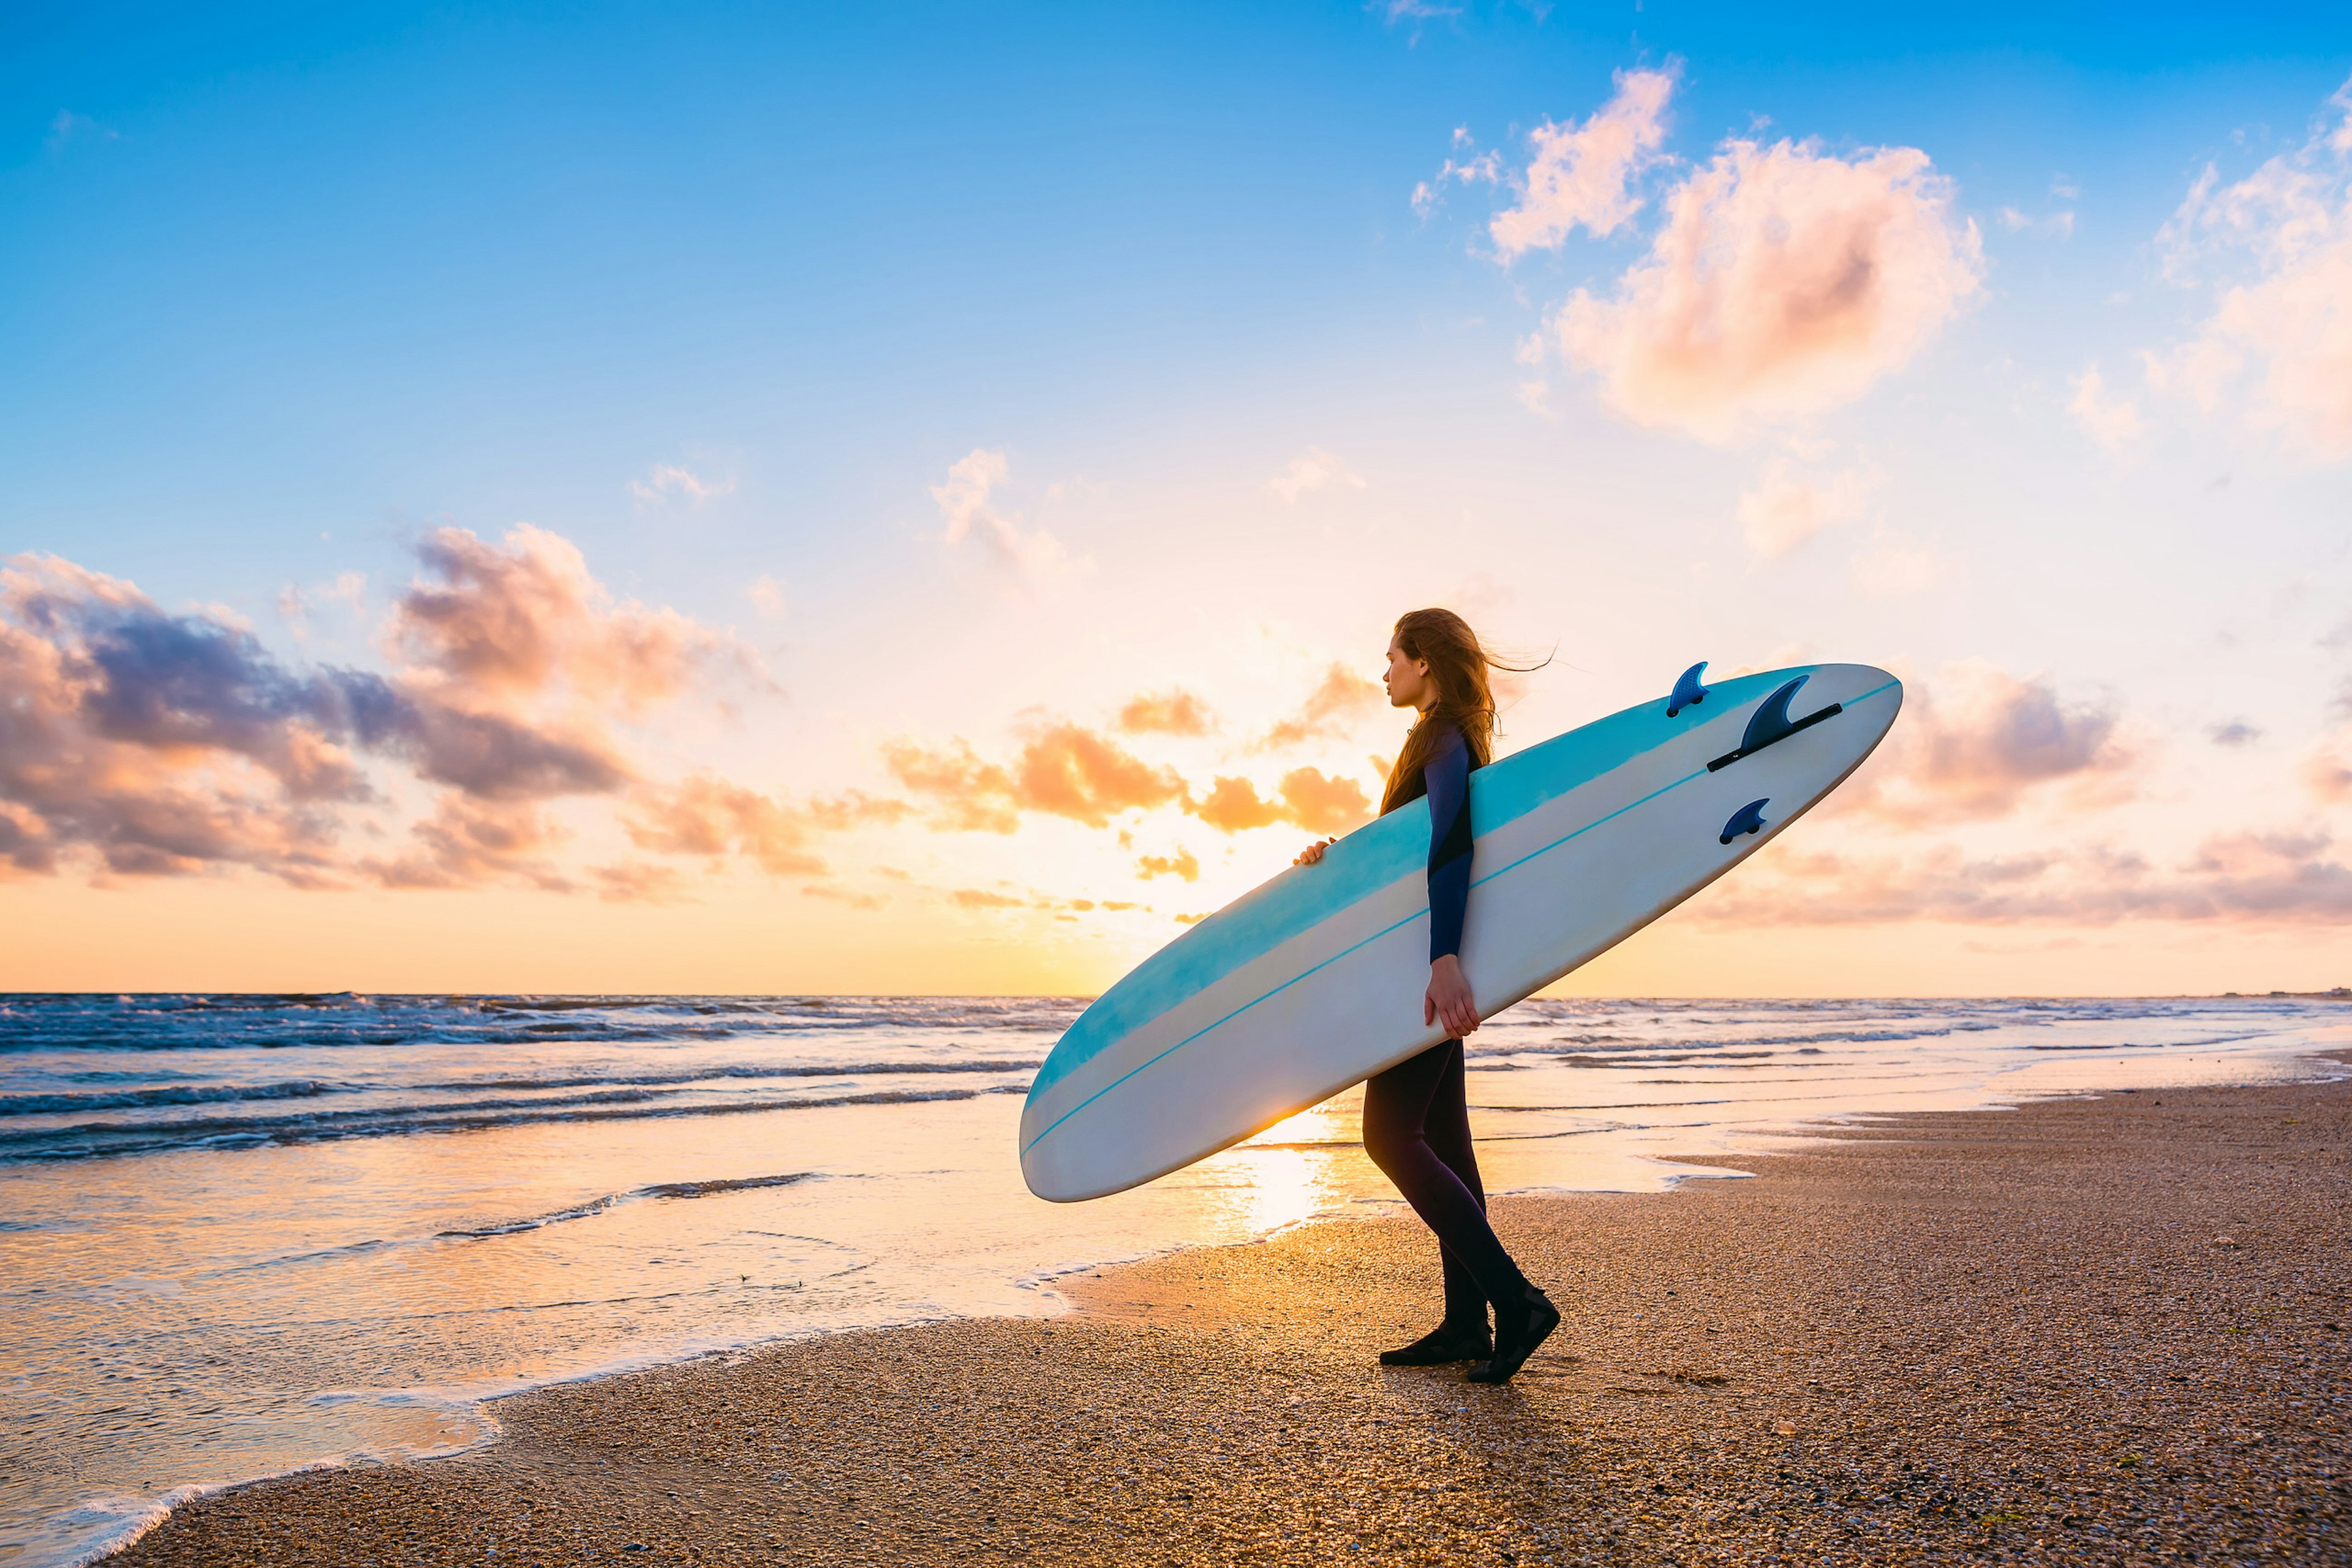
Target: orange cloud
{"type": "Point", "coordinates": [1308, 798]}
{"type": "Point", "coordinates": [1342, 697]}
{"type": "Point", "coordinates": [638, 882]}
{"type": "Point", "coordinates": [1321, 804]}
{"type": "Point", "coordinates": [1233, 806]}
{"type": "Point", "coordinates": [1066, 771]}
{"type": "Point", "coordinates": [1785, 282]}
{"type": "Point", "coordinates": [1179, 864]}
{"type": "Point", "coordinates": [1173, 712]}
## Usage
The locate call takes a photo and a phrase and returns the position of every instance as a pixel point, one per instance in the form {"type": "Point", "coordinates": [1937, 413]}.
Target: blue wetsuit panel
{"type": "Point", "coordinates": [1447, 776]}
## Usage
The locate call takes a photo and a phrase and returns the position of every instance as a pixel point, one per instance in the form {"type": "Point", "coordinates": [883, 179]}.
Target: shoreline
{"type": "Point", "coordinates": [1222, 1403]}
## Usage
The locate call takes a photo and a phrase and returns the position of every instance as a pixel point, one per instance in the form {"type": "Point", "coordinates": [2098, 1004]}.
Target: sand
{"type": "Point", "coordinates": [2084, 1331]}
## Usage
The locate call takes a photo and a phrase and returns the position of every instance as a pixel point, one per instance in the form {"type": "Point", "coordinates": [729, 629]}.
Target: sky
{"type": "Point", "coordinates": [913, 498]}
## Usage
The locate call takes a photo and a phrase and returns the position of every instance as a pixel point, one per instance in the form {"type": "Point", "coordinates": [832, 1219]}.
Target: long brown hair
{"type": "Point", "coordinates": [1458, 664]}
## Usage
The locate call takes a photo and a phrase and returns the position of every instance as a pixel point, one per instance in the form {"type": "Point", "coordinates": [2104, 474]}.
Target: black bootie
{"type": "Point", "coordinates": [1519, 1327]}
{"type": "Point", "coordinates": [1444, 1344]}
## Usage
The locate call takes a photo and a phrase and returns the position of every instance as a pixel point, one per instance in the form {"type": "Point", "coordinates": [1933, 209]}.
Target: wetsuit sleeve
{"type": "Point", "coordinates": [1448, 777]}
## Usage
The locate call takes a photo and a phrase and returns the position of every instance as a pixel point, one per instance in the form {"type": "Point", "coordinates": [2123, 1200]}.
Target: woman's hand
{"type": "Point", "coordinates": [1449, 998]}
{"type": "Point", "coordinates": [1313, 853]}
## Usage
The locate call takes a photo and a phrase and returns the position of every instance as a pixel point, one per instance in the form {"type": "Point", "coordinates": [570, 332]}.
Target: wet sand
{"type": "Point", "coordinates": [2110, 1329]}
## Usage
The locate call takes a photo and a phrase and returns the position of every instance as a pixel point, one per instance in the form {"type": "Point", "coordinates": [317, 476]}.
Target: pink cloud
{"type": "Point", "coordinates": [504, 624]}
{"type": "Point", "coordinates": [1977, 742]}
{"type": "Point", "coordinates": [466, 842]}
{"type": "Point", "coordinates": [2277, 878]}
{"type": "Point", "coordinates": [1581, 175]}
{"type": "Point", "coordinates": [1785, 282]}
{"type": "Point", "coordinates": [143, 742]}
{"type": "Point", "coordinates": [2281, 329]}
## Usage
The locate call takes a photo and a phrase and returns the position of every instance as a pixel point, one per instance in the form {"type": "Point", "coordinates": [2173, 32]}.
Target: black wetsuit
{"type": "Point", "coordinates": [1416, 1119]}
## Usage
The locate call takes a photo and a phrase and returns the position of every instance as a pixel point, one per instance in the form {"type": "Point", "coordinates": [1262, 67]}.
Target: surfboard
{"type": "Point", "coordinates": [1312, 982]}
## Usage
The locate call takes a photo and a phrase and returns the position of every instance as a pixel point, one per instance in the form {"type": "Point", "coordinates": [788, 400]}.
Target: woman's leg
{"type": "Point", "coordinates": [1446, 1124]}
{"type": "Point", "coordinates": [1400, 1108]}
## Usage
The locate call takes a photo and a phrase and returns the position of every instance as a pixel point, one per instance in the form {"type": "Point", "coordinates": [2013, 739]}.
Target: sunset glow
{"type": "Point", "coordinates": [772, 527]}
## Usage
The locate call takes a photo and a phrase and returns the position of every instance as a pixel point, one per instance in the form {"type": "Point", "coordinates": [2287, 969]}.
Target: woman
{"type": "Point", "coordinates": [1416, 1120]}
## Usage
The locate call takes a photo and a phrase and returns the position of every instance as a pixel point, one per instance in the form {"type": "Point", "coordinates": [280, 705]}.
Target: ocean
{"type": "Point", "coordinates": [244, 1235]}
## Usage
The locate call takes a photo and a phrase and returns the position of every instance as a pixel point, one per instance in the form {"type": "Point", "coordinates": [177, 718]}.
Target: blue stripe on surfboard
{"type": "Point", "coordinates": [1367, 860]}
{"type": "Point", "coordinates": [1419, 914]}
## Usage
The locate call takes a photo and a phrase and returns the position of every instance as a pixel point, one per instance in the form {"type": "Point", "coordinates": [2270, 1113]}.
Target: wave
{"type": "Point", "coordinates": [96, 1140]}
{"type": "Point", "coordinates": [150, 1023]}
{"type": "Point", "coordinates": [73, 1102]}
{"type": "Point", "coordinates": [171, 1094]}
{"type": "Point", "coordinates": [613, 1200]}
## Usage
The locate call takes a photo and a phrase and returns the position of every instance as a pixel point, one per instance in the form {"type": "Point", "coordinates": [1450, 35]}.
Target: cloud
{"type": "Point", "coordinates": [1321, 804]}
{"type": "Point", "coordinates": [2113, 422]}
{"type": "Point", "coordinates": [964, 500]}
{"type": "Point", "coordinates": [704, 814]}
{"type": "Point", "coordinates": [2057, 224]}
{"type": "Point", "coordinates": [1786, 507]}
{"type": "Point", "coordinates": [638, 882]}
{"type": "Point", "coordinates": [1315, 469]}
{"type": "Point", "coordinates": [1307, 798]}
{"type": "Point", "coordinates": [2325, 769]}
{"type": "Point", "coordinates": [1179, 864]}
{"type": "Point", "coordinates": [1483, 168]}
{"type": "Point", "coordinates": [2235, 732]}
{"type": "Point", "coordinates": [151, 744]}
{"type": "Point", "coordinates": [2260, 878]}
{"type": "Point", "coordinates": [466, 842]}
{"type": "Point", "coordinates": [1066, 771]}
{"type": "Point", "coordinates": [2279, 245]}
{"type": "Point", "coordinates": [1785, 282]}
{"type": "Point", "coordinates": [158, 744]}
{"type": "Point", "coordinates": [668, 482]}
{"type": "Point", "coordinates": [523, 619]}
{"type": "Point", "coordinates": [67, 127]}
{"type": "Point", "coordinates": [767, 596]}
{"type": "Point", "coordinates": [1330, 708]}
{"type": "Point", "coordinates": [1895, 563]}
{"type": "Point", "coordinates": [1173, 712]}
{"type": "Point", "coordinates": [1582, 175]}
{"type": "Point", "coordinates": [1977, 742]}
{"type": "Point", "coordinates": [1414, 11]}
{"type": "Point", "coordinates": [296, 604]}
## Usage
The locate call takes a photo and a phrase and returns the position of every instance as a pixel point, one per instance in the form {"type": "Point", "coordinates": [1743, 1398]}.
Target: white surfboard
{"type": "Point", "coordinates": [1313, 982]}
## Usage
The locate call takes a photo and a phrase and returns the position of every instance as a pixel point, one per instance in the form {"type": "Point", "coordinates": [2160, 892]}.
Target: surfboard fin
{"type": "Point", "coordinates": [1688, 692]}
{"type": "Point", "coordinates": [1749, 818]}
{"type": "Point", "coordinates": [1770, 724]}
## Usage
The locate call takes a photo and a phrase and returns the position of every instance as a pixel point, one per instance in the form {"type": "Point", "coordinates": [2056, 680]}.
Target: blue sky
{"type": "Point", "coordinates": [285, 290]}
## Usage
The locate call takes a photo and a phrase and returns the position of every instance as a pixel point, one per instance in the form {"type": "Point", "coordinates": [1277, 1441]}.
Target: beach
{"type": "Point", "coordinates": [2106, 1327]}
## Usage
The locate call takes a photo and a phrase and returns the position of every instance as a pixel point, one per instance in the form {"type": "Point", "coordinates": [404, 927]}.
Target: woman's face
{"type": "Point", "coordinates": [1408, 680]}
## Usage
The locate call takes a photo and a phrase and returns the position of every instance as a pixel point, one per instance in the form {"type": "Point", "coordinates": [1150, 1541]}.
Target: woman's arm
{"type": "Point", "coordinates": [1447, 776]}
